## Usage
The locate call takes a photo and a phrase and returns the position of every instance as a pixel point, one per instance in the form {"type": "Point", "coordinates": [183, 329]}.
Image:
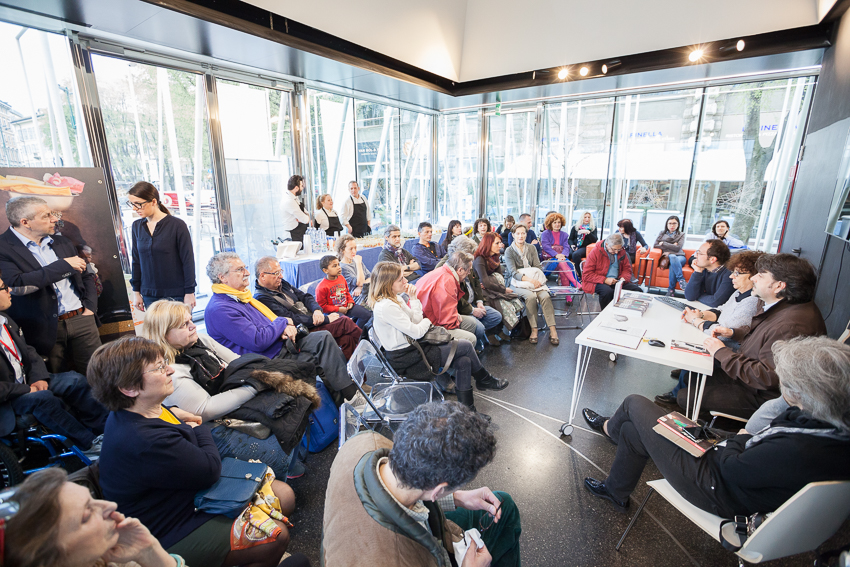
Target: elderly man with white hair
{"type": "Point", "coordinates": [604, 266]}
{"type": "Point", "coordinates": [244, 324]}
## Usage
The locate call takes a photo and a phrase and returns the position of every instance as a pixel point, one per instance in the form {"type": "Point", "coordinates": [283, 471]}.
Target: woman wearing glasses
{"type": "Point", "coordinates": [163, 259]}
{"type": "Point", "coordinates": [156, 458]}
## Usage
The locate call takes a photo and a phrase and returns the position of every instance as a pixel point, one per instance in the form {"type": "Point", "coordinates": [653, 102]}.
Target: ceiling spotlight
{"type": "Point", "coordinates": [740, 45]}
{"type": "Point", "coordinates": [604, 69]}
{"type": "Point", "coordinates": [695, 55]}
{"type": "Point", "coordinates": [583, 71]}
{"type": "Point", "coordinates": [562, 74]}
{"type": "Point", "coordinates": [610, 65]}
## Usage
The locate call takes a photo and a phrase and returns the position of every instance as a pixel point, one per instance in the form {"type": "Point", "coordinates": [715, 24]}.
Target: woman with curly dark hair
{"type": "Point", "coordinates": [554, 244]}
{"type": "Point", "coordinates": [480, 228]}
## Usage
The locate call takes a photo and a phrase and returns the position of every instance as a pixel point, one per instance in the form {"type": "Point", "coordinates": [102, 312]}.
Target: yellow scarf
{"type": "Point", "coordinates": [244, 297]}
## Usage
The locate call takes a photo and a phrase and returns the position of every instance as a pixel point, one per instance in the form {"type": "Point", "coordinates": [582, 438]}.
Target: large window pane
{"type": "Point", "coordinates": [749, 140]}
{"type": "Point", "coordinates": [332, 151]}
{"type": "Point", "coordinates": [457, 189]}
{"type": "Point", "coordinates": [41, 121]}
{"type": "Point", "coordinates": [414, 134]}
{"type": "Point", "coordinates": [378, 160]}
{"type": "Point", "coordinates": [654, 138]}
{"type": "Point", "coordinates": [509, 165]}
{"type": "Point", "coordinates": [574, 158]}
{"type": "Point", "coordinates": [256, 130]}
{"type": "Point", "coordinates": [157, 131]}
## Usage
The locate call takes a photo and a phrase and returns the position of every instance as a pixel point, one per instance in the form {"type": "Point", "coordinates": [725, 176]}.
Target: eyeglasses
{"type": "Point", "coordinates": [4, 287]}
{"type": "Point", "coordinates": [137, 206]}
{"type": "Point", "coordinates": [736, 273]}
{"type": "Point", "coordinates": [159, 369]}
{"type": "Point", "coordinates": [240, 270]}
{"type": "Point", "coordinates": [487, 520]}
{"type": "Point", "coordinates": [275, 274]}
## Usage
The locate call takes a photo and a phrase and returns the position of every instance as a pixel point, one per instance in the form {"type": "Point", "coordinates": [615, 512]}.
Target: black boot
{"type": "Point", "coordinates": [486, 381]}
{"type": "Point", "coordinates": [465, 397]}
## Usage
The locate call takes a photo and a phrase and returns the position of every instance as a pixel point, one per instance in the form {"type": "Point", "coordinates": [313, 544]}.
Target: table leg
{"type": "Point", "coordinates": [698, 405]}
{"type": "Point", "coordinates": [582, 362]}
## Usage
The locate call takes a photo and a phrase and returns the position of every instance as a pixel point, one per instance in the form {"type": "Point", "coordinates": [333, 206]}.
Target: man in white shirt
{"type": "Point", "coordinates": [294, 219]}
{"type": "Point", "coordinates": [356, 214]}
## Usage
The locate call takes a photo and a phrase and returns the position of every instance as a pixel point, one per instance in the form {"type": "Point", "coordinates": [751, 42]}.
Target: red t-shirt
{"type": "Point", "coordinates": [332, 295]}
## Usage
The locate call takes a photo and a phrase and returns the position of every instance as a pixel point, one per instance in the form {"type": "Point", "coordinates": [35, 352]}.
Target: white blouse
{"type": "Point", "coordinates": [322, 216]}
{"type": "Point", "coordinates": [392, 321]}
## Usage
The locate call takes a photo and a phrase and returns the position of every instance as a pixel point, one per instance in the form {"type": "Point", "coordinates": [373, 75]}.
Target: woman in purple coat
{"type": "Point", "coordinates": [554, 243]}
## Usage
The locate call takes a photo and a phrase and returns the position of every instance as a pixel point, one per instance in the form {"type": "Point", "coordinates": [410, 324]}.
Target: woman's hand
{"type": "Point", "coordinates": [411, 291]}
{"type": "Point", "coordinates": [186, 417]}
{"type": "Point", "coordinates": [138, 302]}
{"type": "Point", "coordinates": [560, 257]}
{"type": "Point", "coordinates": [357, 291]}
{"type": "Point", "coordinates": [135, 543]}
{"type": "Point", "coordinates": [189, 299]}
{"type": "Point", "coordinates": [358, 259]}
{"type": "Point", "coordinates": [690, 314]}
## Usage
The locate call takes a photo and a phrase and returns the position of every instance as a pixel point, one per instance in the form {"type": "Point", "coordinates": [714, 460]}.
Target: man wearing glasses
{"type": "Point", "coordinates": [56, 304]}
{"type": "Point", "coordinates": [29, 389]}
{"type": "Point", "coordinates": [398, 502]}
{"type": "Point", "coordinates": [710, 283]}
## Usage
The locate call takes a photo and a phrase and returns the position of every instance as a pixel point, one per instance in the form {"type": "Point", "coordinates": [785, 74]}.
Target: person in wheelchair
{"type": "Point", "coordinates": [753, 472]}
{"type": "Point", "coordinates": [61, 402]}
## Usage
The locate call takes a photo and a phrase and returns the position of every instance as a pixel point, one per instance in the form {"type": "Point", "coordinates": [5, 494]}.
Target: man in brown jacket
{"type": "Point", "coordinates": [395, 504]}
{"type": "Point", "coordinates": [742, 381]}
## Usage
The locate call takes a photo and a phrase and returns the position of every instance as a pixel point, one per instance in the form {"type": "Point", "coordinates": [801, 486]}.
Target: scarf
{"type": "Point", "coordinates": [397, 252]}
{"type": "Point", "coordinates": [244, 297]}
{"type": "Point", "coordinates": [204, 366]}
{"type": "Point", "coordinates": [633, 242]}
{"type": "Point", "coordinates": [492, 263]}
{"type": "Point", "coordinates": [580, 239]}
{"type": "Point", "coordinates": [525, 263]}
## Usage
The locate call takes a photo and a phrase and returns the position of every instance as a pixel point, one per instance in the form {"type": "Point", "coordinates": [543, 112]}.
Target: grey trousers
{"type": "Point", "coordinates": [532, 299]}
{"type": "Point", "coordinates": [76, 340]}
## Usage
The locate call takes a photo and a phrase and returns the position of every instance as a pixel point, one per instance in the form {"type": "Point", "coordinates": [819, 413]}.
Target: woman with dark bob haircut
{"type": "Point", "coordinates": [480, 228]}
{"type": "Point", "coordinates": [155, 459]}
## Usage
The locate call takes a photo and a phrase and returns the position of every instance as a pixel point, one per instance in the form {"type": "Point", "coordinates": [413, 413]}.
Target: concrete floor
{"type": "Point", "coordinates": [563, 525]}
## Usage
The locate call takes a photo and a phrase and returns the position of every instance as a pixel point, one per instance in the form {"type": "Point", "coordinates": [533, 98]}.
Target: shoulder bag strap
{"type": "Point", "coordinates": [448, 362]}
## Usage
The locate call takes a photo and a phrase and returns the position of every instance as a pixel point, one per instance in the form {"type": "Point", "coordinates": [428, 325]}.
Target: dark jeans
{"type": "Point", "coordinates": [606, 292]}
{"type": "Point", "coordinates": [80, 418]}
{"type": "Point", "coordinates": [320, 348]}
{"type": "Point", "coordinates": [502, 538]}
{"type": "Point", "coordinates": [360, 315]}
{"type": "Point", "coordinates": [631, 428]}
{"type": "Point", "coordinates": [76, 340]}
{"type": "Point", "coordinates": [577, 256]}
{"type": "Point", "coordinates": [465, 363]}
{"type": "Point", "coordinates": [150, 299]}
{"type": "Point", "coordinates": [725, 394]}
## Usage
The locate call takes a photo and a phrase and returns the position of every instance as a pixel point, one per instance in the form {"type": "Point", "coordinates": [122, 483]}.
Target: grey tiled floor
{"type": "Point", "coordinates": [562, 524]}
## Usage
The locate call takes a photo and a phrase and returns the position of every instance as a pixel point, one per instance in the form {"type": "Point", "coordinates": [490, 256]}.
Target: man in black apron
{"type": "Point", "coordinates": [294, 218]}
{"type": "Point", "coordinates": [358, 223]}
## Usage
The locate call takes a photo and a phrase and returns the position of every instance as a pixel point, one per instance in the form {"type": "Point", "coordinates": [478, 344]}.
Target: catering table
{"type": "Point", "coordinates": [304, 268]}
{"type": "Point", "coordinates": [660, 322]}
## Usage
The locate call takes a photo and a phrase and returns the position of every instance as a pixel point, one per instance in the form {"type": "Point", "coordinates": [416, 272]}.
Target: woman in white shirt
{"type": "Point", "coordinates": [325, 216]}
{"type": "Point", "coordinates": [396, 319]}
{"type": "Point", "coordinates": [169, 324]}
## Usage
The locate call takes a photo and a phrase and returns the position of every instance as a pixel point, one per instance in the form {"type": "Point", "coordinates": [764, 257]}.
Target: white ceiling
{"type": "Point", "coordinates": [464, 40]}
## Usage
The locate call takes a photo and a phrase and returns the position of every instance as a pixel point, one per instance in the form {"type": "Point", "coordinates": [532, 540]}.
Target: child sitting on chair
{"type": "Point", "coordinates": [334, 297]}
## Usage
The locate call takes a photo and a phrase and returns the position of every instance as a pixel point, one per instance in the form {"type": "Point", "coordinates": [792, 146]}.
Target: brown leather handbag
{"type": "Point", "coordinates": [664, 261]}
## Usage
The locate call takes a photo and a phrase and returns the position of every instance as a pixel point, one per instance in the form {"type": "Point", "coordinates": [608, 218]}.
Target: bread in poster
{"type": "Point", "coordinates": [30, 186]}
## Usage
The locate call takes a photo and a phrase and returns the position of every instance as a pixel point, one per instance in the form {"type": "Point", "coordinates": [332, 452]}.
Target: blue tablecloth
{"type": "Point", "coordinates": [300, 271]}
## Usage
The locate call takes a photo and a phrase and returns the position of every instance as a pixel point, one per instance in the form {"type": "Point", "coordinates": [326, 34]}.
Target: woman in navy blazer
{"type": "Point", "coordinates": [155, 459]}
{"type": "Point", "coordinates": [163, 259]}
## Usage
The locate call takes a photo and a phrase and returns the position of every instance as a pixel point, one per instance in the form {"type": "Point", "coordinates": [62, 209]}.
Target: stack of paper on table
{"type": "Point", "coordinates": [616, 333]}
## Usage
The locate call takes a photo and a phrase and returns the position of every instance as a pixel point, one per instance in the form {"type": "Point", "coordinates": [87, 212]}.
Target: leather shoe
{"type": "Point", "coordinates": [504, 336]}
{"type": "Point", "coordinates": [674, 374]}
{"type": "Point", "coordinates": [667, 399]}
{"type": "Point", "coordinates": [596, 422]}
{"type": "Point", "coordinates": [493, 341]}
{"type": "Point", "coordinates": [490, 382]}
{"type": "Point", "coordinates": [597, 488]}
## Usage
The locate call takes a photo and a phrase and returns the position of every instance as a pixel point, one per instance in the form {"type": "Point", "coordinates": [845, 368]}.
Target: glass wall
{"type": "Point", "coordinates": [157, 130]}
{"type": "Point", "coordinates": [377, 160]}
{"type": "Point", "coordinates": [414, 134]}
{"type": "Point", "coordinates": [574, 162]}
{"type": "Point", "coordinates": [256, 129]}
{"type": "Point", "coordinates": [40, 113]}
{"type": "Point", "coordinates": [510, 158]}
{"type": "Point", "coordinates": [332, 148]}
{"type": "Point", "coordinates": [457, 180]}
{"type": "Point", "coordinates": [749, 138]}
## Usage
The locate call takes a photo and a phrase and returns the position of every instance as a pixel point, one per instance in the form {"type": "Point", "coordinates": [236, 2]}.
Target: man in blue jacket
{"type": "Point", "coordinates": [56, 303]}
{"type": "Point", "coordinates": [710, 283]}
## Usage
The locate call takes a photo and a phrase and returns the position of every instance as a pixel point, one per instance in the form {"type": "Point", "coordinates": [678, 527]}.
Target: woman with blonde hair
{"type": "Point", "coordinates": [199, 360]}
{"type": "Point", "coordinates": [325, 217]}
{"type": "Point", "coordinates": [356, 275]}
{"type": "Point", "coordinates": [581, 235]}
{"type": "Point", "coordinates": [396, 320]}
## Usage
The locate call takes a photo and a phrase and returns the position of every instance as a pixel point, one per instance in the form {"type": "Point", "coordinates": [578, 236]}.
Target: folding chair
{"type": "Point", "coordinates": [801, 524]}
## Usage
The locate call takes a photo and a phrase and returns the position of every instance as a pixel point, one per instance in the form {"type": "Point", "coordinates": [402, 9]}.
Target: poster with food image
{"type": "Point", "coordinates": [79, 195]}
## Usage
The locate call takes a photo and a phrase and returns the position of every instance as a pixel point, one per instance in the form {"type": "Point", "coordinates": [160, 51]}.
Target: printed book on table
{"type": "Point", "coordinates": [689, 347]}
{"type": "Point", "coordinates": [673, 427]}
{"type": "Point", "coordinates": [631, 308]}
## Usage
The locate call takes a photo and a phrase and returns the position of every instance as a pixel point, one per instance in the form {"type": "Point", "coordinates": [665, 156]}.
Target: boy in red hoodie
{"type": "Point", "coordinates": [333, 295]}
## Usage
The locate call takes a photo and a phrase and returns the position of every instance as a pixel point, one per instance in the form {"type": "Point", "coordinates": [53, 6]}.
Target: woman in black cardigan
{"type": "Point", "coordinates": [163, 258]}
{"type": "Point", "coordinates": [582, 234]}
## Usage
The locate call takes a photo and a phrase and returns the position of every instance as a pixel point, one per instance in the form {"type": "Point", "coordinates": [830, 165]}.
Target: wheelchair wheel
{"type": "Point", "coordinates": [11, 472]}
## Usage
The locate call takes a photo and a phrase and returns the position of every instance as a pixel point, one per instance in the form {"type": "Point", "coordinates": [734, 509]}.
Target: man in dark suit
{"type": "Point", "coordinates": [57, 302]}
{"type": "Point", "coordinates": [28, 388]}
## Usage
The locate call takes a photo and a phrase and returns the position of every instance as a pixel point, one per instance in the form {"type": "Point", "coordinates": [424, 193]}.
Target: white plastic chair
{"type": "Point", "coordinates": [801, 524]}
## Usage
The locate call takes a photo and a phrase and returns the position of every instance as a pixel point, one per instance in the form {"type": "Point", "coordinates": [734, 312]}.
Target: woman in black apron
{"type": "Point", "coordinates": [325, 217]}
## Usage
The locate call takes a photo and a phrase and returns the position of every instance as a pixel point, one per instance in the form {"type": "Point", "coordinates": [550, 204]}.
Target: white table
{"type": "Point", "coordinates": [660, 322]}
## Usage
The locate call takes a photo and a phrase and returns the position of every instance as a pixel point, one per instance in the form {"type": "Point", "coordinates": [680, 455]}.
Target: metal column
{"type": "Point", "coordinates": [222, 195]}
